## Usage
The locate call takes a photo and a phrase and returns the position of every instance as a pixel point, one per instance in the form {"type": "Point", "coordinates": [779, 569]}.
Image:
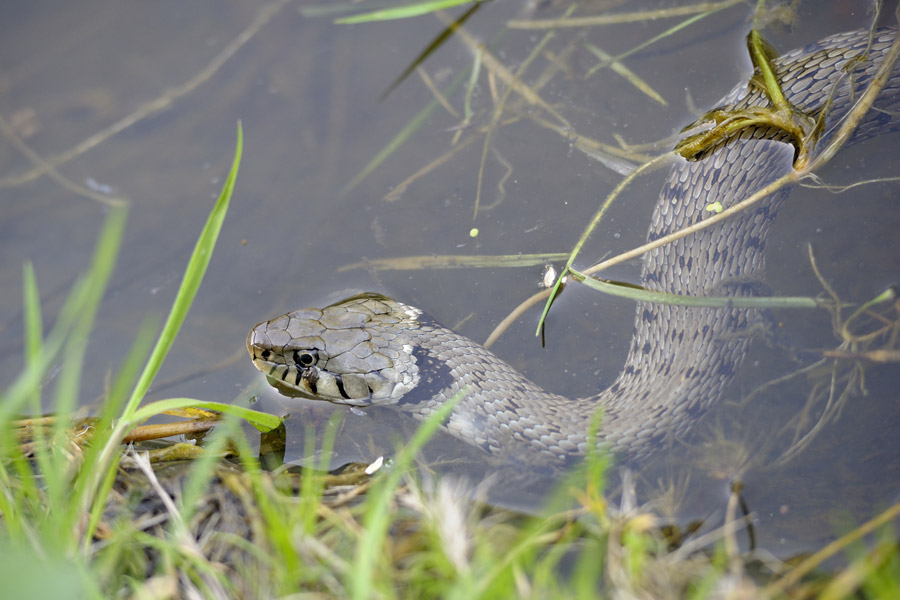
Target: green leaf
{"type": "Point", "coordinates": [193, 275]}
{"type": "Point", "coordinates": [264, 422]}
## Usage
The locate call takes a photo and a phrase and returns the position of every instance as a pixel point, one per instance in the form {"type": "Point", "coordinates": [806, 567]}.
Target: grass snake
{"type": "Point", "coordinates": [370, 349]}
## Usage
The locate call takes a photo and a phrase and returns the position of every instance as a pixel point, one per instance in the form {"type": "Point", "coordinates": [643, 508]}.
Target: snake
{"type": "Point", "coordinates": [372, 350]}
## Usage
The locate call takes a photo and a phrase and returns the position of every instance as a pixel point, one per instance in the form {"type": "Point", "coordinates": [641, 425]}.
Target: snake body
{"type": "Point", "coordinates": [370, 349]}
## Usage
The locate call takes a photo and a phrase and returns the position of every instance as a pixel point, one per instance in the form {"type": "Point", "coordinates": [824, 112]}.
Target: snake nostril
{"type": "Point", "coordinates": [265, 354]}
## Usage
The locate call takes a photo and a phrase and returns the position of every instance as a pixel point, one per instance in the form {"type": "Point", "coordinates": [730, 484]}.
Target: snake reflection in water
{"type": "Point", "coordinates": [370, 349]}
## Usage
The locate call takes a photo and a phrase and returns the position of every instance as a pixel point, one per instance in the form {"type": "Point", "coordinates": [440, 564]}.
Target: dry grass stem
{"type": "Point", "coordinates": [633, 17]}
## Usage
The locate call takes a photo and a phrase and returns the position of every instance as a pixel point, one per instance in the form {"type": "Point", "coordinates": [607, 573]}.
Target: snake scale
{"type": "Point", "coordinates": [369, 349]}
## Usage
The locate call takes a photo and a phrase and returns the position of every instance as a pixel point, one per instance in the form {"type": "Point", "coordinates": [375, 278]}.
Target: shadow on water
{"type": "Point", "coordinates": [307, 92]}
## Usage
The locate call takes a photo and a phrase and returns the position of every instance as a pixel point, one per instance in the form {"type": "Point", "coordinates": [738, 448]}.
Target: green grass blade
{"type": "Point", "coordinates": [630, 76]}
{"type": "Point", "coordinates": [404, 11]}
{"type": "Point", "coordinates": [34, 327]}
{"type": "Point", "coordinates": [643, 169]}
{"type": "Point", "coordinates": [455, 261]}
{"type": "Point", "coordinates": [377, 518]}
{"type": "Point", "coordinates": [430, 49]}
{"type": "Point", "coordinates": [193, 275]}
{"type": "Point", "coordinates": [110, 410]}
{"type": "Point", "coordinates": [57, 473]}
{"type": "Point", "coordinates": [102, 266]}
{"type": "Point", "coordinates": [99, 479]}
{"type": "Point", "coordinates": [34, 359]}
{"type": "Point", "coordinates": [203, 468]}
{"type": "Point", "coordinates": [75, 307]}
{"type": "Point", "coordinates": [402, 136]}
{"type": "Point", "coordinates": [398, 140]}
{"type": "Point", "coordinates": [644, 295]}
{"type": "Point", "coordinates": [264, 422]}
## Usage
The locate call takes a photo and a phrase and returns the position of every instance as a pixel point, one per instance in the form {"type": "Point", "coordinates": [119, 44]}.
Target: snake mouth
{"type": "Point", "coordinates": [296, 383]}
{"type": "Point", "coordinates": [305, 387]}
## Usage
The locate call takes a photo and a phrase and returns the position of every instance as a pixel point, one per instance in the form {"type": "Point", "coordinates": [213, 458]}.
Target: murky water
{"type": "Point", "coordinates": [307, 92]}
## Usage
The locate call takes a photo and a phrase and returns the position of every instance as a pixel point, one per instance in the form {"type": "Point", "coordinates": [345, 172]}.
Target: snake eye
{"type": "Point", "coordinates": [305, 359]}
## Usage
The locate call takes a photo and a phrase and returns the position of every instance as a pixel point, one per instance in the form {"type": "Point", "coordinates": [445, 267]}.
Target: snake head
{"type": "Point", "coordinates": [346, 353]}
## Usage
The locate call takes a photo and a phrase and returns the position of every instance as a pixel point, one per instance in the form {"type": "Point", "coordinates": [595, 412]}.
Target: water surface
{"type": "Point", "coordinates": [307, 92]}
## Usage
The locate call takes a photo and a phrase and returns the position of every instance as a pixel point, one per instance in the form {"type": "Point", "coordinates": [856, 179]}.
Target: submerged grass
{"type": "Point", "coordinates": [405, 11]}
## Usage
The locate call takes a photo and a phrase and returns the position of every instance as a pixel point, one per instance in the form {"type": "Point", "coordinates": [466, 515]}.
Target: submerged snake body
{"type": "Point", "coordinates": [373, 350]}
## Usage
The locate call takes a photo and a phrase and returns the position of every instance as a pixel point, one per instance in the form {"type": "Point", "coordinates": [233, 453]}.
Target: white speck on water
{"type": "Point", "coordinates": [93, 185]}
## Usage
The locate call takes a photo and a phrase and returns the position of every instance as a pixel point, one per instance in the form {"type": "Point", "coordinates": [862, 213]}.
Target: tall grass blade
{"type": "Point", "coordinates": [404, 11]}
{"type": "Point", "coordinates": [74, 308]}
{"type": "Point", "coordinates": [377, 518]}
{"type": "Point", "coordinates": [193, 275]}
